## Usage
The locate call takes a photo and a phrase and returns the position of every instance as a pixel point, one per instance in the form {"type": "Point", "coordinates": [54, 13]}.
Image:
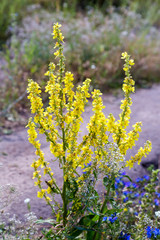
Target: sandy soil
{"type": "Point", "coordinates": [17, 154]}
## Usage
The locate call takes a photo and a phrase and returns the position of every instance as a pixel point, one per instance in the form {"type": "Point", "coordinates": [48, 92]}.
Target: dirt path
{"type": "Point", "coordinates": [16, 153]}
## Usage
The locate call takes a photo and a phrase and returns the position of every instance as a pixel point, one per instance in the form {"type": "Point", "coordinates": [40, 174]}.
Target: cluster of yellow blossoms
{"type": "Point", "coordinates": [61, 120]}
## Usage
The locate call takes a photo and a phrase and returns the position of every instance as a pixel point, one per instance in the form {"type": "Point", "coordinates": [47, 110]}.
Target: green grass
{"type": "Point", "coordinates": [8, 11]}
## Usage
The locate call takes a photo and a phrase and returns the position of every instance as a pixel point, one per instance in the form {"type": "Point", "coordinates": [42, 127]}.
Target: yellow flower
{"type": "Point", "coordinates": [48, 199]}
{"type": "Point", "coordinates": [124, 55]}
{"type": "Point", "coordinates": [142, 152]}
{"type": "Point", "coordinates": [49, 190]}
{"type": "Point", "coordinates": [125, 69]}
{"type": "Point", "coordinates": [41, 193]}
{"type": "Point", "coordinates": [57, 54]}
{"type": "Point", "coordinates": [131, 62]}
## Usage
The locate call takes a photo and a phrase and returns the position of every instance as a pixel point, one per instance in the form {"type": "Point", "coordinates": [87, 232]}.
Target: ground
{"type": "Point", "coordinates": [17, 154]}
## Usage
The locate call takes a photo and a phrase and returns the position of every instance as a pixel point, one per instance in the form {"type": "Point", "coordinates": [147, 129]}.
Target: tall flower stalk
{"type": "Point", "coordinates": [60, 122]}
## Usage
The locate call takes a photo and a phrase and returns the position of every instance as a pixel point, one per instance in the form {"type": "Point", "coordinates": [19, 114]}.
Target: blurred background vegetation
{"type": "Point", "coordinates": [96, 33]}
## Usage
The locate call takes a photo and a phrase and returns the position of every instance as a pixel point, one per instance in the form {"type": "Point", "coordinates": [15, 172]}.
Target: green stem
{"type": "Point", "coordinates": [64, 205]}
{"type": "Point", "coordinates": [123, 115]}
{"type": "Point", "coordinates": [64, 198]}
{"type": "Point", "coordinates": [65, 202]}
{"type": "Point", "coordinates": [40, 187]}
{"type": "Point", "coordinates": [97, 235]}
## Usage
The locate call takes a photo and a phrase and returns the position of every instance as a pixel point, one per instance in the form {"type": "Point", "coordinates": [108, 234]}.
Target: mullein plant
{"type": "Point", "coordinates": [99, 157]}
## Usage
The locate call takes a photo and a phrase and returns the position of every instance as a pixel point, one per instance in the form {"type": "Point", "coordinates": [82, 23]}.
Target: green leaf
{"type": "Point", "coordinates": [105, 181]}
{"type": "Point", "coordinates": [72, 188]}
{"type": "Point", "coordinates": [128, 177]}
{"type": "Point", "coordinates": [113, 210]}
{"type": "Point", "coordinates": [85, 221]}
{"type": "Point", "coordinates": [90, 210]}
{"type": "Point", "coordinates": [34, 69]}
{"type": "Point", "coordinates": [74, 233]}
{"type": "Point", "coordinates": [95, 174]}
{"type": "Point", "coordinates": [54, 190]}
{"type": "Point", "coordinates": [108, 181]}
{"type": "Point", "coordinates": [50, 221]}
{"type": "Point", "coordinates": [98, 236]}
{"type": "Point", "coordinates": [82, 225]}
{"type": "Point", "coordinates": [90, 235]}
{"type": "Point", "coordinates": [96, 218]}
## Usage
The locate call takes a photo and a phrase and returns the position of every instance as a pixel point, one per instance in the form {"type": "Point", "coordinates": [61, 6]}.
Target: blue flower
{"type": "Point", "coordinates": [126, 193]}
{"type": "Point", "coordinates": [136, 195]}
{"type": "Point", "coordinates": [124, 236]}
{"type": "Point", "coordinates": [158, 194]}
{"type": "Point", "coordinates": [139, 179]}
{"type": "Point", "coordinates": [149, 232]}
{"type": "Point", "coordinates": [118, 180]}
{"type": "Point", "coordinates": [104, 219]}
{"type": "Point", "coordinates": [116, 186]}
{"type": "Point", "coordinates": [142, 194]}
{"type": "Point", "coordinates": [125, 200]}
{"type": "Point", "coordinates": [123, 173]}
{"type": "Point", "coordinates": [113, 215]}
{"type": "Point", "coordinates": [152, 232]}
{"type": "Point", "coordinates": [127, 184]}
{"type": "Point", "coordinates": [89, 164]}
{"type": "Point", "coordinates": [134, 185]}
{"type": "Point", "coordinates": [146, 177]}
{"type": "Point", "coordinates": [156, 232]}
{"type": "Point", "coordinates": [112, 220]}
{"type": "Point", "coordinates": [136, 213]}
{"type": "Point", "coordinates": [156, 201]}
